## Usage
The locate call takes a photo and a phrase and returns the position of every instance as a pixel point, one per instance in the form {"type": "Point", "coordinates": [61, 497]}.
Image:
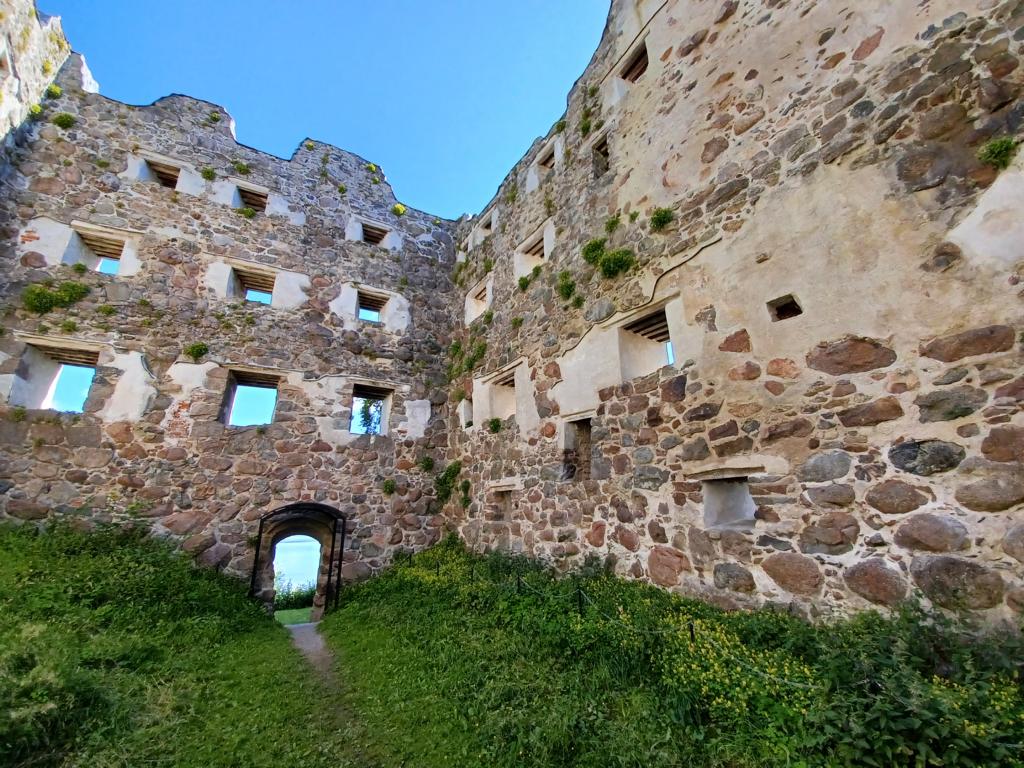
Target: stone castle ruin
{"type": "Point", "coordinates": [747, 320]}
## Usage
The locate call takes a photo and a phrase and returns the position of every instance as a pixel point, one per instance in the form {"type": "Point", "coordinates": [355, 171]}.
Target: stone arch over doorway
{"type": "Point", "coordinates": [318, 521]}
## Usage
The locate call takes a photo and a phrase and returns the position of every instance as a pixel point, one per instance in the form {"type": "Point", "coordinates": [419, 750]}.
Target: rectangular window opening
{"type": "Point", "coordinates": [165, 173]}
{"type": "Point", "coordinates": [373, 235]}
{"type": "Point", "coordinates": [252, 399]}
{"type": "Point", "coordinates": [371, 306]}
{"type": "Point", "coordinates": [535, 248]}
{"type": "Point", "coordinates": [257, 287]}
{"type": "Point", "coordinates": [68, 391]}
{"type": "Point", "coordinates": [635, 65]}
{"type": "Point", "coordinates": [107, 249]}
{"type": "Point", "coordinates": [784, 307]}
{"type": "Point", "coordinates": [653, 326]}
{"type": "Point", "coordinates": [728, 503]}
{"type": "Point", "coordinates": [601, 156]}
{"type": "Point", "coordinates": [369, 410]}
{"type": "Point", "coordinates": [547, 158]}
{"type": "Point", "coordinates": [645, 345]}
{"type": "Point", "coordinates": [578, 453]}
{"type": "Point", "coordinates": [503, 395]}
{"type": "Point", "coordinates": [253, 199]}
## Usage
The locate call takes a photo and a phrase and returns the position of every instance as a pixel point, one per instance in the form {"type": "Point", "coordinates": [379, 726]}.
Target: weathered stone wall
{"type": "Point", "coordinates": [32, 50]}
{"type": "Point", "coordinates": [152, 443]}
{"type": "Point", "coordinates": [804, 151]}
{"type": "Point", "coordinates": [841, 424]}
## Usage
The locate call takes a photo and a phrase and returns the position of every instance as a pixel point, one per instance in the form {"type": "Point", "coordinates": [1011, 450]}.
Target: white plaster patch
{"type": "Point", "coordinates": [134, 391]}
{"type": "Point", "coordinates": [417, 415]}
{"type": "Point", "coordinates": [993, 233]}
{"type": "Point", "coordinates": [290, 290]}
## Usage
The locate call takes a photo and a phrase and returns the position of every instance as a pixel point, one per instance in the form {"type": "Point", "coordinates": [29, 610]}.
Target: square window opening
{"type": "Point", "coordinates": [371, 306]}
{"type": "Point", "coordinates": [254, 199]}
{"type": "Point", "coordinates": [465, 411]}
{"type": "Point", "coordinates": [728, 503]}
{"type": "Point", "coordinates": [106, 248]}
{"type": "Point", "coordinates": [251, 399]}
{"type": "Point", "coordinates": [503, 395]}
{"type": "Point", "coordinates": [257, 287]}
{"type": "Point", "coordinates": [645, 345]}
{"type": "Point", "coordinates": [369, 410]}
{"type": "Point", "coordinates": [165, 173]}
{"type": "Point", "coordinates": [601, 156]}
{"type": "Point", "coordinates": [635, 65]}
{"type": "Point", "coordinates": [547, 158]}
{"type": "Point", "coordinates": [57, 378]}
{"type": "Point", "coordinates": [502, 504]}
{"type": "Point", "coordinates": [784, 307]}
{"type": "Point", "coordinates": [373, 235]}
{"type": "Point", "coordinates": [536, 248]}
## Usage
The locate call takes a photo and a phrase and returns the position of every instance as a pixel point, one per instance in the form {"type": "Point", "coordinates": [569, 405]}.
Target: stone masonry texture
{"type": "Point", "coordinates": [793, 196]}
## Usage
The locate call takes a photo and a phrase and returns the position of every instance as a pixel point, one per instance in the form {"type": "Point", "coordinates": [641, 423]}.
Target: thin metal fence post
{"type": "Point", "coordinates": [579, 599]}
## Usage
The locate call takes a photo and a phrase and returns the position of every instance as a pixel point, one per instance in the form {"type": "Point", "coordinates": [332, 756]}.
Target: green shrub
{"type": "Point", "coordinates": [614, 263]}
{"type": "Point", "coordinates": [998, 153]}
{"type": "Point", "coordinates": [213, 117]}
{"type": "Point", "coordinates": [517, 322]}
{"type": "Point", "coordinates": [593, 250]}
{"type": "Point", "coordinates": [17, 414]}
{"type": "Point", "coordinates": [493, 425]}
{"type": "Point", "coordinates": [309, 145]}
{"type": "Point", "coordinates": [398, 209]}
{"type": "Point", "coordinates": [488, 316]}
{"type": "Point", "coordinates": [35, 112]}
{"type": "Point", "coordinates": [444, 483]}
{"type": "Point", "coordinates": [106, 310]}
{"type": "Point", "coordinates": [208, 173]}
{"type": "Point", "coordinates": [246, 212]}
{"type": "Point", "coordinates": [388, 487]}
{"type": "Point", "coordinates": [524, 283]}
{"type": "Point", "coordinates": [63, 120]}
{"type": "Point", "coordinates": [578, 301]}
{"type": "Point", "coordinates": [371, 167]}
{"type": "Point", "coordinates": [566, 285]}
{"type": "Point", "coordinates": [242, 168]}
{"type": "Point", "coordinates": [288, 596]}
{"type": "Point", "coordinates": [611, 224]}
{"type": "Point", "coordinates": [661, 218]}
{"type": "Point", "coordinates": [41, 299]}
{"type": "Point", "coordinates": [634, 215]}
{"type": "Point", "coordinates": [53, 91]}
{"type": "Point", "coordinates": [69, 326]}
{"type": "Point", "coordinates": [79, 268]}
{"type": "Point", "coordinates": [585, 126]}
{"type": "Point", "coordinates": [488, 264]}
{"type": "Point", "coordinates": [560, 126]}
{"type": "Point", "coordinates": [426, 463]}
{"type": "Point", "coordinates": [512, 193]}
{"type": "Point", "coordinates": [342, 189]}
{"type": "Point", "coordinates": [196, 350]}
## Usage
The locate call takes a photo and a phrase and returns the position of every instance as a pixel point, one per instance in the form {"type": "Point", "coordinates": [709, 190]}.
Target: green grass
{"type": "Point", "coordinates": [451, 663]}
{"type": "Point", "coordinates": [115, 652]}
{"type": "Point", "coordinates": [293, 615]}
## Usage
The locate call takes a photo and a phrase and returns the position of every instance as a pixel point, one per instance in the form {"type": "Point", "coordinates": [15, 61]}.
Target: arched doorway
{"type": "Point", "coordinates": [318, 521]}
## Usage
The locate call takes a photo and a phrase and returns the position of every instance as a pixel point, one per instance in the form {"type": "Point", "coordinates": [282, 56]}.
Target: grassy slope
{"type": "Point", "coordinates": [115, 652]}
{"type": "Point", "coordinates": [453, 667]}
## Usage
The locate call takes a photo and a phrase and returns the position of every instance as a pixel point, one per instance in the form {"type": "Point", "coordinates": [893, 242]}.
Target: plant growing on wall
{"type": "Point", "coordinates": [63, 120]}
{"type": "Point", "coordinates": [593, 250]}
{"type": "Point", "coordinates": [208, 173]}
{"type": "Point", "coordinates": [242, 168]}
{"type": "Point", "coordinates": [614, 263]}
{"type": "Point", "coordinates": [611, 224]}
{"type": "Point", "coordinates": [512, 193]}
{"type": "Point", "coordinates": [214, 117]}
{"type": "Point", "coordinates": [246, 212]}
{"type": "Point", "coordinates": [517, 322]}
{"type": "Point", "coordinates": [196, 350]}
{"type": "Point", "coordinates": [388, 486]}
{"type": "Point", "coordinates": [524, 283]}
{"type": "Point", "coordinates": [444, 483]}
{"type": "Point", "coordinates": [661, 218]}
{"type": "Point", "coordinates": [53, 91]}
{"type": "Point", "coordinates": [79, 268]}
{"type": "Point", "coordinates": [566, 285]}
{"type": "Point", "coordinates": [35, 112]}
{"type": "Point", "coordinates": [69, 326]}
{"type": "Point", "coordinates": [342, 189]}
{"type": "Point", "coordinates": [41, 298]}
{"type": "Point", "coordinates": [371, 167]}
{"type": "Point", "coordinates": [398, 209]}
{"type": "Point", "coordinates": [494, 426]}
{"type": "Point", "coordinates": [106, 310]}
{"type": "Point", "coordinates": [426, 463]}
{"type": "Point", "coordinates": [999, 152]}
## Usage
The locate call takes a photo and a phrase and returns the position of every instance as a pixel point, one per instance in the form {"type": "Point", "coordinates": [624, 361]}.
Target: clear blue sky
{"type": "Point", "coordinates": [444, 95]}
{"type": "Point", "coordinates": [296, 559]}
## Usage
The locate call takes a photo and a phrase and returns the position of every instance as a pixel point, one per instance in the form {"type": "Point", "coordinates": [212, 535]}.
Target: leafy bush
{"type": "Point", "coordinates": [661, 218]}
{"type": "Point", "coordinates": [566, 285]}
{"type": "Point", "coordinates": [53, 91]}
{"type": "Point", "coordinates": [444, 483]}
{"type": "Point", "coordinates": [611, 224]}
{"type": "Point", "coordinates": [208, 173]}
{"type": "Point", "coordinates": [342, 189]}
{"type": "Point", "coordinates": [41, 299]}
{"type": "Point", "coordinates": [196, 350]}
{"type": "Point", "coordinates": [246, 212]}
{"type": "Point", "coordinates": [524, 283]}
{"type": "Point", "coordinates": [398, 209]}
{"type": "Point", "coordinates": [288, 596]}
{"type": "Point", "coordinates": [69, 326]}
{"type": "Point", "coordinates": [106, 310]}
{"type": "Point", "coordinates": [494, 425]}
{"type": "Point", "coordinates": [999, 152]}
{"type": "Point", "coordinates": [517, 322]}
{"type": "Point", "coordinates": [63, 120]}
{"type": "Point", "coordinates": [426, 463]}
{"type": "Point", "coordinates": [213, 117]}
{"type": "Point", "coordinates": [79, 268]}
{"type": "Point", "coordinates": [242, 168]}
{"type": "Point", "coordinates": [388, 487]}
{"type": "Point", "coordinates": [593, 250]}
{"type": "Point", "coordinates": [614, 263]}
{"type": "Point", "coordinates": [35, 112]}
{"type": "Point", "coordinates": [493, 661]}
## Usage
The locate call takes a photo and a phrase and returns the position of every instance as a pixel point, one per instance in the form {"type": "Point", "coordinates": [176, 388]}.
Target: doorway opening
{"type": "Point", "coordinates": [296, 572]}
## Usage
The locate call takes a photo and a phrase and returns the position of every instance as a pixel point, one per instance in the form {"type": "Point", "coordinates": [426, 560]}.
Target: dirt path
{"type": "Point", "coordinates": [309, 641]}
